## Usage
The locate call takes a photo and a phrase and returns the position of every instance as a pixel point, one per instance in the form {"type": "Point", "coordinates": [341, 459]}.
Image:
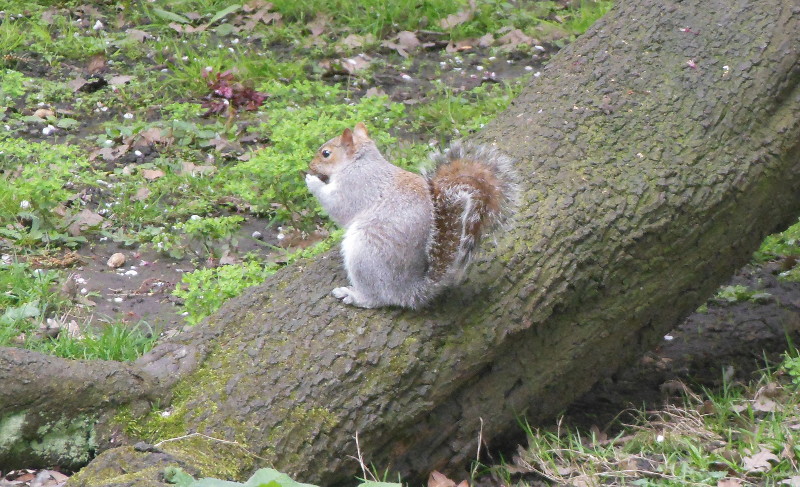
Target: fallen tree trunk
{"type": "Point", "coordinates": [656, 152]}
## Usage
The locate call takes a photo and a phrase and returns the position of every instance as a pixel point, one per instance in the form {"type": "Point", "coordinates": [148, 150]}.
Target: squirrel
{"type": "Point", "coordinates": [408, 236]}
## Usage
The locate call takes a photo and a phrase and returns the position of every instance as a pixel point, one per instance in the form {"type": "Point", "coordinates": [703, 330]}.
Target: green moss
{"type": "Point", "coordinates": [11, 430]}
{"type": "Point", "coordinates": [213, 458]}
{"type": "Point", "coordinates": [69, 438]}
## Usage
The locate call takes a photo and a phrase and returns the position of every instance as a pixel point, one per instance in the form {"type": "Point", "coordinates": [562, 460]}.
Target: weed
{"type": "Point", "coordinates": [27, 297]}
{"type": "Point", "coordinates": [114, 341]}
{"type": "Point", "coordinates": [12, 84]}
{"type": "Point", "coordinates": [205, 290]}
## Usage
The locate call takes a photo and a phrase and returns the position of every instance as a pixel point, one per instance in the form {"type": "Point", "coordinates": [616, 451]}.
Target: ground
{"type": "Point", "coordinates": [126, 132]}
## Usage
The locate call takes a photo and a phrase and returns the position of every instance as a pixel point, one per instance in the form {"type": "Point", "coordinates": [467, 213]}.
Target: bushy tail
{"type": "Point", "coordinates": [474, 188]}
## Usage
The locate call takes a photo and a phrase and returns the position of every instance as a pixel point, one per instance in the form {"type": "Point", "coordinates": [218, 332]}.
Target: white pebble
{"type": "Point", "coordinates": [24, 204]}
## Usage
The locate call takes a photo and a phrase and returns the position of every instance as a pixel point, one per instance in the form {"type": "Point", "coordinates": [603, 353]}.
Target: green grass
{"type": "Point", "coordinates": [708, 437]}
{"type": "Point", "coordinates": [31, 297]}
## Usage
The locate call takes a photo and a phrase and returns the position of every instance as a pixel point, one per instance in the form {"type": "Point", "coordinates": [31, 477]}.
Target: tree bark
{"type": "Point", "coordinates": [655, 152]}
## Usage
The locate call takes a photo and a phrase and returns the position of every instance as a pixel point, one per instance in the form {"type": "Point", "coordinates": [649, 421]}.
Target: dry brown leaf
{"type": "Point", "coordinates": [458, 46]}
{"type": "Point", "coordinates": [97, 63]}
{"type": "Point", "coordinates": [141, 194]}
{"type": "Point", "coordinates": [73, 331]}
{"type": "Point", "coordinates": [765, 405]}
{"type": "Point", "coordinates": [791, 481]}
{"type": "Point", "coordinates": [374, 91]}
{"type": "Point", "coordinates": [516, 37]}
{"type": "Point", "coordinates": [119, 80]}
{"type": "Point", "coordinates": [356, 63]}
{"type": "Point", "coordinates": [729, 482]}
{"type": "Point", "coordinates": [438, 479]}
{"type": "Point", "coordinates": [77, 83]}
{"type": "Point", "coordinates": [253, 5]}
{"type": "Point", "coordinates": [48, 15]}
{"type": "Point", "coordinates": [263, 14]}
{"type": "Point", "coordinates": [319, 24]}
{"type": "Point", "coordinates": [402, 43]}
{"type": "Point", "coordinates": [149, 137]}
{"type": "Point", "coordinates": [458, 18]}
{"type": "Point", "coordinates": [187, 29]}
{"type": "Point", "coordinates": [773, 390]}
{"type": "Point", "coordinates": [486, 40]}
{"type": "Point", "coordinates": [138, 35]}
{"type": "Point", "coordinates": [152, 174]}
{"type": "Point", "coordinates": [44, 113]}
{"type": "Point", "coordinates": [354, 40]}
{"type": "Point", "coordinates": [759, 462]}
{"type": "Point", "coordinates": [83, 220]}
{"type": "Point", "coordinates": [191, 169]}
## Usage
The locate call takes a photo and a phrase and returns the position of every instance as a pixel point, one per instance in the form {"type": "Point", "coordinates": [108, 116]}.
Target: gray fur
{"type": "Point", "coordinates": [389, 228]}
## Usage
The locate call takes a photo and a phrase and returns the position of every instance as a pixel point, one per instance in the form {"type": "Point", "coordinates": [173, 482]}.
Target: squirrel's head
{"type": "Point", "coordinates": [338, 152]}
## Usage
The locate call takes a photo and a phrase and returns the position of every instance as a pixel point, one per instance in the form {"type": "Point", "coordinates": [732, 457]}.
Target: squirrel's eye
{"type": "Point", "coordinates": [326, 153]}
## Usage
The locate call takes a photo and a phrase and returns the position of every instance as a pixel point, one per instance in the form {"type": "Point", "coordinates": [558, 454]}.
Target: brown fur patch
{"type": "Point", "coordinates": [471, 173]}
{"type": "Point", "coordinates": [412, 183]}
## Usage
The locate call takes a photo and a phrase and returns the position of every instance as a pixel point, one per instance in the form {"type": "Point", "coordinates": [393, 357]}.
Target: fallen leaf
{"type": "Point", "coordinates": [110, 153]}
{"type": "Point", "coordinates": [791, 481]}
{"type": "Point", "coordinates": [356, 63]}
{"type": "Point", "coordinates": [138, 35]}
{"type": "Point", "coordinates": [729, 482]}
{"type": "Point", "coordinates": [760, 462]}
{"type": "Point", "coordinates": [141, 194]}
{"type": "Point", "coordinates": [148, 137]}
{"type": "Point", "coordinates": [84, 220]}
{"type": "Point", "coordinates": [438, 479]}
{"type": "Point", "coordinates": [152, 174]}
{"type": "Point", "coordinates": [97, 63]}
{"type": "Point", "coordinates": [192, 170]}
{"type": "Point", "coordinates": [458, 18]}
{"type": "Point", "coordinates": [765, 405]}
{"type": "Point", "coordinates": [516, 37]}
{"type": "Point", "coordinates": [73, 331]}
{"type": "Point", "coordinates": [119, 80]}
{"type": "Point", "coordinates": [486, 40]}
{"type": "Point", "coordinates": [354, 41]}
{"type": "Point", "coordinates": [318, 25]}
{"type": "Point", "coordinates": [374, 91]}
{"type": "Point", "coordinates": [404, 41]}
{"type": "Point", "coordinates": [44, 113]}
{"type": "Point", "coordinates": [459, 46]}
{"type": "Point", "coordinates": [76, 84]}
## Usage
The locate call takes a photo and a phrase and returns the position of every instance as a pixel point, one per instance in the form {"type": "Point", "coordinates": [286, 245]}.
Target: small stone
{"type": "Point", "coordinates": [116, 260]}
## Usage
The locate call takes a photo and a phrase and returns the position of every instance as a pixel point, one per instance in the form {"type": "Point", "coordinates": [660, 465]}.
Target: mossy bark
{"type": "Point", "coordinates": [655, 152]}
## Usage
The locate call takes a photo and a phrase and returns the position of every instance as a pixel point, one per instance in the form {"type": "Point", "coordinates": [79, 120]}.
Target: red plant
{"type": "Point", "coordinates": [229, 95]}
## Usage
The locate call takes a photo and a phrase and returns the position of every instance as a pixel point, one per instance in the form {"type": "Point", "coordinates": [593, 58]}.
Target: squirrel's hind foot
{"type": "Point", "coordinates": [350, 296]}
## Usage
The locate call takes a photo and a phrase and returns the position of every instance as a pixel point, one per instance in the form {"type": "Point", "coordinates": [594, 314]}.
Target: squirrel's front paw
{"type": "Point", "coordinates": [313, 182]}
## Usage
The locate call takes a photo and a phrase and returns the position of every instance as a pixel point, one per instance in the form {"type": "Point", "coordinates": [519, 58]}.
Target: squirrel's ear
{"type": "Point", "coordinates": [347, 139]}
{"type": "Point", "coordinates": [361, 131]}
